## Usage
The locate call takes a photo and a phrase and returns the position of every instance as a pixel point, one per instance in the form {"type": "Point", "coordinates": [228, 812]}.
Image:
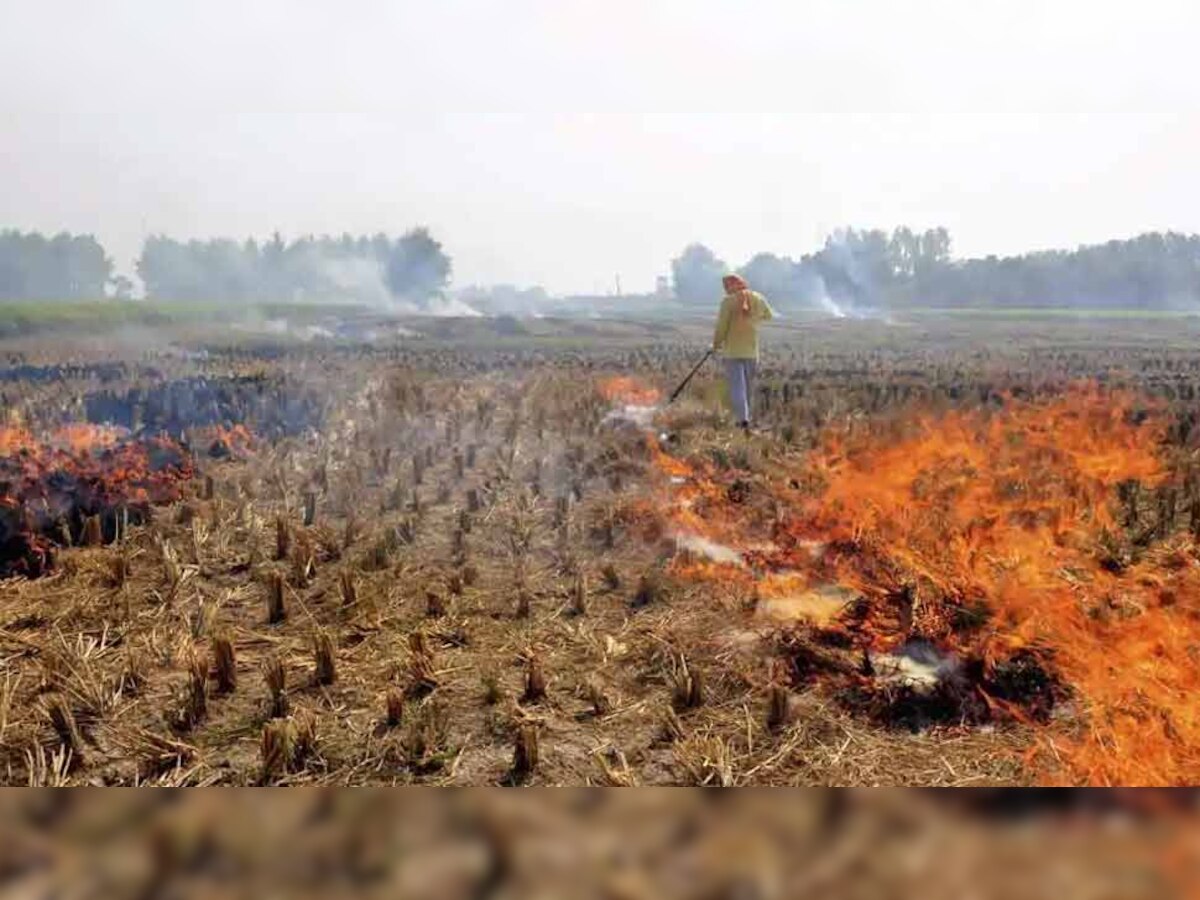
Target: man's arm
{"type": "Point", "coordinates": [765, 313]}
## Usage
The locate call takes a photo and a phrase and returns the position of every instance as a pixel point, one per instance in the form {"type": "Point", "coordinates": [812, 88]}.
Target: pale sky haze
{"type": "Point", "coordinates": [562, 143]}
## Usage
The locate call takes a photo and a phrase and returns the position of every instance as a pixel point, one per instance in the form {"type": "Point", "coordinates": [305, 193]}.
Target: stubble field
{"type": "Point", "coordinates": [957, 552]}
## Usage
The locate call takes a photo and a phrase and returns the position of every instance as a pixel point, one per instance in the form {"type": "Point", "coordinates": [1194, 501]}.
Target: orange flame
{"type": "Point", "coordinates": [1010, 510]}
{"type": "Point", "coordinates": [80, 437]}
{"type": "Point", "coordinates": [78, 471]}
{"type": "Point", "coordinates": [237, 439]}
{"type": "Point", "coordinates": [631, 391]}
{"type": "Point", "coordinates": [14, 439]}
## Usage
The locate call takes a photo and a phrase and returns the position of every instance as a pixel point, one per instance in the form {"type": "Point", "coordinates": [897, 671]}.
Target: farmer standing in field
{"type": "Point", "coordinates": [736, 339]}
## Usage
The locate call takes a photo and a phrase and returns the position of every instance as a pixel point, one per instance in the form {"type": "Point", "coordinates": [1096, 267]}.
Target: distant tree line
{"type": "Point", "coordinates": [872, 269]}
{"type": "Point", "coordinates": [854, 270]}
{"type": "Point", "coordinates": [62, 267]}
{"type": "Point", "coordinates": [1156, 271]}
{"type": "Point", "coordinates": [372, 269]}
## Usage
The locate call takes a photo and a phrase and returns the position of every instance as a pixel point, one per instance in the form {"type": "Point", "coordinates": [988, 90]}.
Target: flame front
{"type": "Point", "coordinates": [1008, 512]}
{"type": "Point", "coordinates": [75, 472]}
{"type": "Point", "coordinates": [77, 437]}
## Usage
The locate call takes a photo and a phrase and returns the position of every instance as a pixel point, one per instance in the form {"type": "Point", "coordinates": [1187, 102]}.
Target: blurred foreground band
{"type": "Point", "coordinates": [647, 843]}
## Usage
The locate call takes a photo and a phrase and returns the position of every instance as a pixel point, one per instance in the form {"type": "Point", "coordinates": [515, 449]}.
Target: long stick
{"type": "Point", "coordinates": [684, 383]}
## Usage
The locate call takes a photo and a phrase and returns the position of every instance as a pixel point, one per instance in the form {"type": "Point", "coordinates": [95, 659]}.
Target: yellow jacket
{"type": "Point", "coordinates": [736, 334]}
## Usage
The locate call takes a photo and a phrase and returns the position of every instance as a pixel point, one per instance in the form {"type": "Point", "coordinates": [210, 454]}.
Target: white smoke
{"type": "Point", "coordinates": [505, 300]}
{"type": "Point", "coordinates": [361, 279]}
{"type": "Point", "coordinates": [701, 546]}
{"type": "Point", "coordinates": [847, 310]}
{"type": "Point", "coordinates": [281, 327]}
{"type": "Point", "coordinates": [640, 416]}
{"type": "Point", "coordinates": [859, 295]}
{"type": "Point", "coordinates": [917, 664]}
{"type": "Point", "coordinates": [448, 307]}
{"type": "Point", "coordinates": [827, 303]}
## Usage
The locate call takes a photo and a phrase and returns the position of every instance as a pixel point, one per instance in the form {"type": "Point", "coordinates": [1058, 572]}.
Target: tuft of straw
{"type": "Point", "coordinates": [225, 665]}
{"type": "Point", "coordinates": [275, 609]}
{"type": "Point", "coordinates": [325, 671]}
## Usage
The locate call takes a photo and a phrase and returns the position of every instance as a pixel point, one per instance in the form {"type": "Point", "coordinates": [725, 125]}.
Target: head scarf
{"type": "Point", "coordinates": [734, 284]}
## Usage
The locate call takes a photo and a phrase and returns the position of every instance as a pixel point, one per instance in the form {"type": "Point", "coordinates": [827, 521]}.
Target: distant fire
{"type": "Point", "coordinates": [51, 487]}
{"type": "Point", "coordinates": [987, 538]}
{"type": "Point", "coordinates": [628, 391]}
{"type": "Point", "coordinates": [75, 437]}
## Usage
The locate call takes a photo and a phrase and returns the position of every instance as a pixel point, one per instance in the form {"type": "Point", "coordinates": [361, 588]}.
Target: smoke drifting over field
{"type": "Point", "coordinates": [406, 273]}
{"type": "Point", "coordinates": [857, 295]}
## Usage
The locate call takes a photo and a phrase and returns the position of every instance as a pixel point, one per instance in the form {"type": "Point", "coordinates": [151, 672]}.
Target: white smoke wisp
{"type": "Point", "coordinates": [360, 279]}
{"type": "Point", "coordinates": [917, 665]}
{"type": "Point", "coordinates": [828, 304]}
{"type": "Point", "coordinates": [443, 307]}
{"type": "Point", "coordinates": [639, 416]}
{"type": "Point", "coordinates": [702, 546]}
{"type": "Point", "coordinates": [505, 300]}
{"type": "Point", "coordinates": [853, 269]}
{"type": "Point", "coordinates": [848, 310]}
{"type": "Point", "coordinates": [278, 327]}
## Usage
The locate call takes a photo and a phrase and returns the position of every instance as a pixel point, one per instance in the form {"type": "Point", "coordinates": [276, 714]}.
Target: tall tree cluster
{"type": "Point", "coordinates": [874, 269]}
{"type": "Point", "coordinates": [366, 268]}
{"type": "Point", "coordinates": [1159, 271]}
{"type": "Point", "coordinates": [857, 268]}
{"type": "Point", "coordinates": [62, 267]}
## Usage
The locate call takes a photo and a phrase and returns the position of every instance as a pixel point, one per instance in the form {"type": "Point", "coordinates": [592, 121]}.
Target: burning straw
{"type": "Point", "coordinates": [987, 537]}
{"type": "Point", "coordinates": [82, 484]}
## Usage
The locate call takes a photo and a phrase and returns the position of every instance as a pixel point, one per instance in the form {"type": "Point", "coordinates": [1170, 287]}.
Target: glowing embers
{"type": "Point", "coordinates": [227, 443]}
{"type": "Point", "coordinates": [79, 484]}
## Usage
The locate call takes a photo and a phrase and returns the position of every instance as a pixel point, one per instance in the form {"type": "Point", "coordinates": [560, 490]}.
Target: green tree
{"type": "Point", "coordinates": [696, 275]}
{"type": "Point", "coordinates": [417, 268]}
{"type": "Point", "coordinates": [64, 267]}
{"type": "Point", "coordinates": [776, 276]}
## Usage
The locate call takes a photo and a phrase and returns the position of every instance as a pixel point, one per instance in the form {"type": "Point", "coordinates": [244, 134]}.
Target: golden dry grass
{"type": "Point", "coordinates": [467, 606]}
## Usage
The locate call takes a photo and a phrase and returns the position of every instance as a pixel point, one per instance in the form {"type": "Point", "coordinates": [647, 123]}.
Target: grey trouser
{"type": "Point", "coordinates": [739, 373]}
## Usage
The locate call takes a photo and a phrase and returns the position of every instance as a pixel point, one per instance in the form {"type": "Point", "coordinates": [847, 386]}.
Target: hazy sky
{"type": "Point", "coordinates": [565, 142]}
